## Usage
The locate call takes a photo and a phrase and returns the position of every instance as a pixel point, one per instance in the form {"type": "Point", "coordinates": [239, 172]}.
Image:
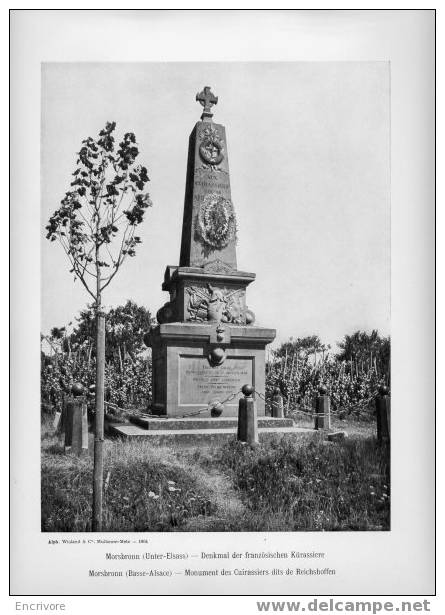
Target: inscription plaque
{"type": "Point", "coordinates": [201, 383]}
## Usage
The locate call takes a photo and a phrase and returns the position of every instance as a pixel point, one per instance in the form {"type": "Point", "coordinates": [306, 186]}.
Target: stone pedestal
{"type": "Point", "coordinates": [193, 368]}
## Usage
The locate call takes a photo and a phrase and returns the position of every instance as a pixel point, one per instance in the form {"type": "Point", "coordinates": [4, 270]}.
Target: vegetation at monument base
{"type": "Point", "coordinates": [297, 367]}
{"type": "Point", "coordinates": [305, 484]}
{"type": "Point", "coordinates": [352, 376]}
{"type": "Point", "coordinates": [71, 357]}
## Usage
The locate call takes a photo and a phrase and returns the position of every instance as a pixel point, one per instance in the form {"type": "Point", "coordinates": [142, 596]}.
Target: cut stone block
{"type": "Point", "coordinates": [203, 423]}
{"type": "Point", "coordinates": [200, 436]}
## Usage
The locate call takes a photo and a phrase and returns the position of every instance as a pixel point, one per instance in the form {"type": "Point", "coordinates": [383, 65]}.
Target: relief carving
{"type": "Point", "coordinates": [211, 150]}
{"type": "Point", "coordinates": [217, 266]}
{"type": "Point", "coordinates": [220, 332]}
{"type": "Point", "coordinates": [215, 304]}
{"type": "Point", "coordinates": [215, 223]}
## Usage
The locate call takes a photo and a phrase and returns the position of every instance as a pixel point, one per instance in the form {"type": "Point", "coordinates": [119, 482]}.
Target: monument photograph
{"type": "Point", "coordinates": [215, 297]}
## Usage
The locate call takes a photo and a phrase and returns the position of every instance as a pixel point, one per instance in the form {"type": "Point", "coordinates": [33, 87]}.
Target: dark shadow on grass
{"type": "Point", "coordinates": [55, 449]}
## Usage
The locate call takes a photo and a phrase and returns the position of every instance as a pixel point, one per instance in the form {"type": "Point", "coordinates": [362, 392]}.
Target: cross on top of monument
{"type": "Point", "coordinates": [207, 100]}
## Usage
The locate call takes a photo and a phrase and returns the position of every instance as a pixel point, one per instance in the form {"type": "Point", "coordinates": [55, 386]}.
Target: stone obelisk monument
{"type": "Point", "coordinates": [206, 346]}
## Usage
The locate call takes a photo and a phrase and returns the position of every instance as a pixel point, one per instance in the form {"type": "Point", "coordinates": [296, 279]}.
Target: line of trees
{"type": "Point", "coordinates": [352, 374]}
{"type": "Point", "coordinates": [70, 356]}
{"type": "Point", "coordinates": [363, 350]}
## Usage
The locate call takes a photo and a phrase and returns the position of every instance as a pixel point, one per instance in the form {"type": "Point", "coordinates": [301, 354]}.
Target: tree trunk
{"type": "Point", "coordinates": [98, 472]}
{"type": "Point", "coordinates": [290, 383]}
{"type": "Point", "coordinates": [121, 369]}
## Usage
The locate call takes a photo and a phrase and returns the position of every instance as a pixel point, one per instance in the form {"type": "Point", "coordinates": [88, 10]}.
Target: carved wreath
{"type": "Point", "coordinates": [211, 148]}
{"type": "Point", "coordinates": [216, 222]}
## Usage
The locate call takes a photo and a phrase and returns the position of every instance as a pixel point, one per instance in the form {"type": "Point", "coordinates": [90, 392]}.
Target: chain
{"type": "Point", "coordinates": [308, 410]}
{"type": "Point", "coordinates": [114, 406]}
{"type": "Point", "coordinates": [212, 404]}
{"type": "Point", "coordinates": [260, 395]}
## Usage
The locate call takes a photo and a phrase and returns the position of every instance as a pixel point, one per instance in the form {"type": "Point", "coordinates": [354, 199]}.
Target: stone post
{"type": "Point", "coordinates": [247, 417]}
{"type": "Point", "coordinates": [59, 417]}
{"type": "Point", "coordinates": [62, 421]}
{"type": "Point", "coordinates": [383, 414]}
{"type": "Point", "coordinates": [277, 404]}
{"type": "Point", "coordinates": [323, 408]}
{"type": "Point", "coordinates": [56, 422]}
{"type": "Point", "coordinates": [76, 424]}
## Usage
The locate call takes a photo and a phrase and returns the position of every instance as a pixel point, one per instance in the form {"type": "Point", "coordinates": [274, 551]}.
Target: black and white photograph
{"type": "Point", "coordinates": [230, 253]}
{"type": "Point", "coordinates": [232, 399]}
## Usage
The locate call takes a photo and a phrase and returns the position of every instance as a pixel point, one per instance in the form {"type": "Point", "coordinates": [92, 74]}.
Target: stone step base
{"type": "Point", "coordinates": [199, 436]}
{"type": "Point", "coordinates": [157, 424]}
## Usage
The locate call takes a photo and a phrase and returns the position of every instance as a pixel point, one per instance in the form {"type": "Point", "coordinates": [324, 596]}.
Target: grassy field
{"type": "Point", "coordinates": [306, 484]}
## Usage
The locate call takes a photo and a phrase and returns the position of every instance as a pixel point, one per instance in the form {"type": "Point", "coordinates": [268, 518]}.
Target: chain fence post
{"type": "Point", "coordinates": [383, 414]}
{"type": "Point", "coordinates": [247, 417]}
{"type": "Point", "coordinates": [277, 404]}
{"type": "Point", "coordinates": [323, 409]}
{"type": "Point", "coordinates": [76, 423]}
{"type": "Point", "coordinates": [58, 416]}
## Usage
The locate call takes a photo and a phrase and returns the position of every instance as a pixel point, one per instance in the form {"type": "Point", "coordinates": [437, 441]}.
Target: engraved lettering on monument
{"type": "Point", "coordinates": [200, 383]}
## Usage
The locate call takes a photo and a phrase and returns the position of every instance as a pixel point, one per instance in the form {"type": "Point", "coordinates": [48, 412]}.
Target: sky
{"type": "Point", "coordinates": [309, 157]}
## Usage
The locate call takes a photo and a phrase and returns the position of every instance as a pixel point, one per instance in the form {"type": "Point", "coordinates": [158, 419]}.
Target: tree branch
{"type": "Point", "coordinates": [121, 258]}
{"type": "Point", "coordinates": [75, 266]}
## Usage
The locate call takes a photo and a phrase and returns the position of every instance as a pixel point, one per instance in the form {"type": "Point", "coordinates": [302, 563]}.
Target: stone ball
{"type": "Point", "coordinates": [77, 389]}
{"type": "Point", "coordinates": [217, 355]}
{"type": "Point", "coordinates": [247, 390]}
{"type": "Point", "coordinates": [383, 390]}
{"type": "Point", "coordinates": [250, 317]}
{"type": "Point", "coordinates": [277, 391]}
{"type": "Point", "coordinates": [322, 389]}
{"type": "Point", "coordinates": [216, 410]}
